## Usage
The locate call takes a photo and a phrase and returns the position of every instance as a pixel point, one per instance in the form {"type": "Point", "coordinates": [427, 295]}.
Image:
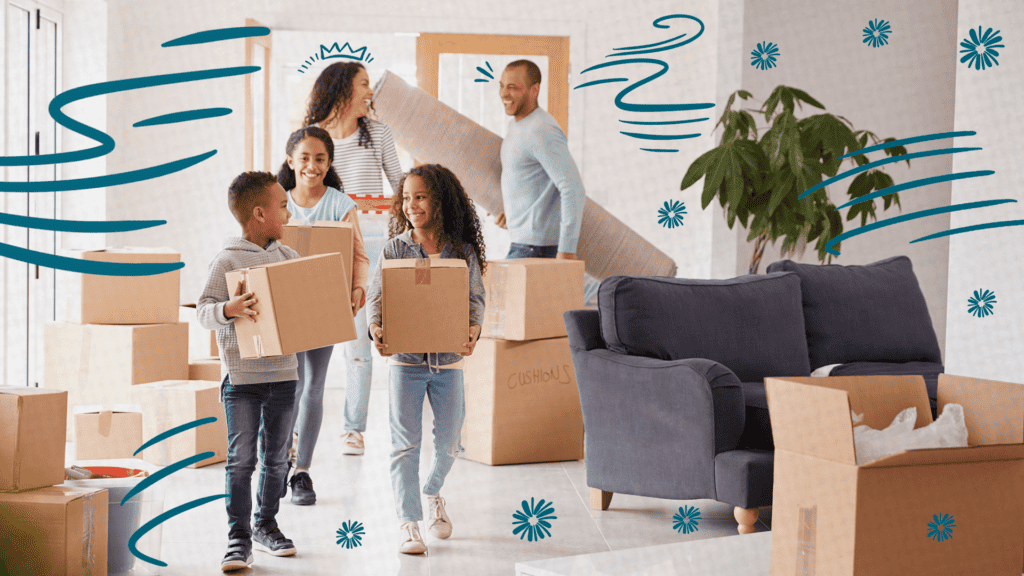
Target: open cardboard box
{"type": "Point", "coordinates": [927, 512]}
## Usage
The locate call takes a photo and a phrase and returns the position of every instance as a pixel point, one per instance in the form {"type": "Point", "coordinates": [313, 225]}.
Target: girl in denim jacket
{"type": "Point", "coordinates": [432, 218]}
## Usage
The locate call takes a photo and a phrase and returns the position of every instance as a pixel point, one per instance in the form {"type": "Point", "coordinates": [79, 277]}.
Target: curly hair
{"type": "Point", "coordinates": [247, 191]}
{"type": "Point", "coordinates": [332, 93]}
{"type": "Point", "coordinates": [286, 176]}
{"type": "Point", "coordinates": [459, 223]}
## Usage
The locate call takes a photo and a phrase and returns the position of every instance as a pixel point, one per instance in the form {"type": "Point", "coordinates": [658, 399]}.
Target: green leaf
{"type": "Point", "coordinates": [787, 100]}
{"type": "Point", "coordinates": [750, 123]}
{"type": "Point", "coordinates": [696, 170]}
{"type": "Point", "coordinates": [783, 188]}
{"type": "Point", "coordinates": [733, 177]}
{"type": "Point", "coordinates": [744, 94]}
{"type": "Point", "coordinates": [806, 98]}
{"type": "Point", "coordinates": [769, 105]}
{"type": "Point", "coordinates": [715, 175]}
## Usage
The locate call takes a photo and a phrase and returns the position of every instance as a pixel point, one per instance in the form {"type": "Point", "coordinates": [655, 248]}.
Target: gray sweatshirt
{"type": "Point", "coordinates": [240, 253]}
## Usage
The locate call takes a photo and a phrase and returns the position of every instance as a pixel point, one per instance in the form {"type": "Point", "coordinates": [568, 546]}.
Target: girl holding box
{"type": "Point", "coordinates": [340, 103]}
{"type": "Point", "coordinates": [432, 218]}
{"type": "Point", "coordinates": [315, 193]}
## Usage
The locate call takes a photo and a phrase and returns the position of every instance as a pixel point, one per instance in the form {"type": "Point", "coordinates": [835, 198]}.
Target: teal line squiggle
{"type": "Point", "coordinates": [917, 184]}
{"type": "Point", "coordinates": [911, 216]}
{"type": "Point", "coordinates": [660, 136]}
{"type": "Point", "coordinates": [138, 534]}
{"type": "Point", "coordinates": [186, 116]}
{"type": "Point", "coordinates": [165, 472]}
{"type": "Point", "coordinates": [105, 140]}
{"type": "Point", "coordinates": [81, 226]}
{"type": "Point", "coordinates": [108, 180]}
{"type": "Point", "coordinates": [605, 81]}
{"type": "Point", "coordinates": [174, 431]}
{"type": "Point", "coordinates": [86, 266]}
{"type": "Point", "coordinates": [658, 24]}
{"type": "Point", "coordinates": [881, 162]}
{"type": "Point", "coordinates": [914, 140]}
{"type": "Point", "coordinates": [218, 35]}
{"type": "Point", "coordinates": [662, 123]}
{"type": "Point", "coordinates": [974, 228]}
{"type": "Point", "coordinates": [646, 107]}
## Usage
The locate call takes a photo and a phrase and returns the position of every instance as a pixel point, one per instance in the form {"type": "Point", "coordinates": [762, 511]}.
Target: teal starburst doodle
{"type": "Point", "coordinates": [686, 519]}
{"type": "Point", "coordinates": [764, 56]}
{"type": "Point", "coordinates": [350, 535]}
{"type": "Point", "coordinates": [981, 303]}
{"type": "Point", "coordinates": [941, 527]}
{"type": "Point", "coordinates": [877, 33]}
{"type": "Point", "coordinates": [671, 214]}
{"type": "Point", "coordinates": [980, 51]}
{"type": "Point", "coordinates": [534, 522]}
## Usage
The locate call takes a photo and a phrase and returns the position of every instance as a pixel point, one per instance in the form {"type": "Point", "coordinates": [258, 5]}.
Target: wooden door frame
{"type": "Point", "coordinates": [430, 46]}
{"type": "Point", "coordinates": [250, 133]}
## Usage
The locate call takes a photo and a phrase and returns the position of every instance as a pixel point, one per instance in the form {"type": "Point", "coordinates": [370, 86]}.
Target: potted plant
{"type": "Point", "coordinates": [760, 181]}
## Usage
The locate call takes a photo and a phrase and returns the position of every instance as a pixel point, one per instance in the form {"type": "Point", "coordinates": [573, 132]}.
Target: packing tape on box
{"type": "Point", "coordinates": [105, 417]}
{"type": "Point", "coordinates": [434, 133]}
{"type": "Point", "coordinates": [498, 274]}
{"type": "Point", "coordinates": [305, 232]}
{"type": "Point", "coordinates": [422, 271]}
{"type": "Point", "coordinates": [89, 533]}
{"type": "Point", "coordinates": [806, 547]}
{"type": "Point", "coordinates": [257, 343]}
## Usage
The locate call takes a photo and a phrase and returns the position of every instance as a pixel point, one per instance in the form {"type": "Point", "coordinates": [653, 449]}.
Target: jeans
{"type": "Point", "coordinates": [590, 284]}
{"type": "Point", "coordinates": [357, 352]}
{"type": "Point", "coordinates": [408, 384]}
{"type": "Point", "coordinates": [262, 411]}
{"type": "Point", "coordinates": [309, 402]}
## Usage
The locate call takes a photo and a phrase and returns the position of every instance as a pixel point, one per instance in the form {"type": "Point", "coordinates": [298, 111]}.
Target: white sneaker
{"type": "Point", "coordinates": [293, 452]}
{"type": "Point", "coordinates": [440, 524]}
{"type": "Point", "coordinates": [353, 443]}
{"type": "Point", "coordinates": [411, 541]}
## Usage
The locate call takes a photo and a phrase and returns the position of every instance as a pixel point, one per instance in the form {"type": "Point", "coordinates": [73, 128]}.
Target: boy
{"type": "Point", "coordinates": [258, 394]}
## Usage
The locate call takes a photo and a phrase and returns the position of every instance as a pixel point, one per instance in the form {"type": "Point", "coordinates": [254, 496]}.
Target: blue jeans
{"type": "Point", "coordinates": [262, 411]}
{"type": "Point", "coordinates": [357, 352]}
{"type": "Point", "coordinates": [309, 402]}
{"type": "Point", "coordinates": [590, 284]}
{"type": "Point", "coordinates": [408, 385]}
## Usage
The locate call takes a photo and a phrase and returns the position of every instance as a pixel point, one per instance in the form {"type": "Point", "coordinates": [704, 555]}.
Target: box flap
{"type": "Point", "coordinates": [993, 411]}
{"type": "Point", "coordinates": [810, 419]}
{"type": "Point", "coordinates": [434, 263]}
{"type": "Point", "coordinates": [291, 260]}
{"type": "Point", "coordinates": [133, 255]}
{"type": "Point", "coordinates": [950, 456]}
{"type": "Point", "coordinates": [29, 391]}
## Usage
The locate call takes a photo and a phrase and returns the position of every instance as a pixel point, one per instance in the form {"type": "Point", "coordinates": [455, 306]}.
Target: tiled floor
{"type": "Point", "coordinates": [481, 500]}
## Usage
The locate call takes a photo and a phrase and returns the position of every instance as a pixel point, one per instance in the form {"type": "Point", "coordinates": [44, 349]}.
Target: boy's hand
{"type": "Point", "coordinates": [474, 335]}
{"type": "Point", "coordinates": [378, 338]}
{"type": "Point", "coordinates": [241, 305]}
{"type": "Point", "coordinates": [358, 299]}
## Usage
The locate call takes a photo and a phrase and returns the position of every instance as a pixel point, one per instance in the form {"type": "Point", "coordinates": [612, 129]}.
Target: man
{"type": "Point", "coordinates": [541, 187]}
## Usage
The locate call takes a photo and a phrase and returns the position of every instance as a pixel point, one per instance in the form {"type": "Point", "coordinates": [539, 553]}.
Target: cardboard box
{"type": "Point", "coordinates": [169, 404]}
{"type": "Point", "coordinates": [204, 369]}
{"type": "Point", "coordinates": [522, 403]}
{"type": "Point", "coordinates": [322, 237]}
{"type": "Point", "coordinates": [302, 305]}
{"type": "Point", "coordinates": [104, 434]}
{"type": "Point", "coordinates": [830, 516]}
{"type": "Point", "coordinates": [124, 299]}
{"type": "Point", "coordinates": [32, 424]}
{"type": "Point", "coordinates": [54, 531]}
{"type": "Point", "coordinates": [526, 297]}
{"type": "Point", "coordinates": [202, 343]}
{"type": "Point", "coordinates": [425, 305]}
{"type": "Point", "coordinates": [97, 364]}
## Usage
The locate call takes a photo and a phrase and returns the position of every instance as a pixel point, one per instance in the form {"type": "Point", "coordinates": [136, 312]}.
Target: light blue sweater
{"type": "Point", "coordinates": [541, 187]}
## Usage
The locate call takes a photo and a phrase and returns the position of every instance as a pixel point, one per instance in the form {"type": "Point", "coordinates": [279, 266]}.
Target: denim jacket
{"type": "Point", "coordinates": [403, 246]}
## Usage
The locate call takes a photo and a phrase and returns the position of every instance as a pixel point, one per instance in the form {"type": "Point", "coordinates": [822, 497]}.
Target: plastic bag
{"type": "Point", "coordinates": [948, 431]}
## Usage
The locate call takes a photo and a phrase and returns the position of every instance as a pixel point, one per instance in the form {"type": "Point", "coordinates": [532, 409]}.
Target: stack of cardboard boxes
{"type": "Point", "coordinates": [522, 403]}
{"type": "Point", "coordinates": [44, 528]}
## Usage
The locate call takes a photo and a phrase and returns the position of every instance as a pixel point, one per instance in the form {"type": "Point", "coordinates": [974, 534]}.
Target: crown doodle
{"type": "Point", "coordinates": [345, 51]}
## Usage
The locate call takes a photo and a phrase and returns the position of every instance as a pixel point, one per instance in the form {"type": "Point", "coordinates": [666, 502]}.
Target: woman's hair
{"type": "Point", "coordinates": [286, 176]}
{"type": "Point", "coordinates": [331, 93]}
{"type": "Point", "coordinates": [458, 224]}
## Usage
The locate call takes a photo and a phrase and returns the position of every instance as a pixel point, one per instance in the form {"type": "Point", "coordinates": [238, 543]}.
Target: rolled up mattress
{"type": "Point", "coordinates": [434, 133]}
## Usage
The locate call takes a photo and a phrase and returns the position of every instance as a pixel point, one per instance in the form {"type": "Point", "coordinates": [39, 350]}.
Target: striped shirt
{"type": "Point", "coordinates": [359, 167]}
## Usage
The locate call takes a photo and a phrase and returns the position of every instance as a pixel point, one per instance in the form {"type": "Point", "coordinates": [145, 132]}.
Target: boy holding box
{"type": "Point", "coordinates": [258, 394]}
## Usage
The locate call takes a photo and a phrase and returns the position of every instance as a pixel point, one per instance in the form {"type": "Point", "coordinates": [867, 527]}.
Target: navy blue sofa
{"type": "Point", "coordinates": [671, 371]}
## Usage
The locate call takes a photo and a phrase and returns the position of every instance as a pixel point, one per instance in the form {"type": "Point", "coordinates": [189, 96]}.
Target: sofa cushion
{"type": "Point", "coordinates": [754, 324]}
{"type": "Point", "coordinates": [872, 313]}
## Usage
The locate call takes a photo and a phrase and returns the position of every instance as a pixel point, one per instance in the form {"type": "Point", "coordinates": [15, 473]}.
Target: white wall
{"type": "Point", "coordinates": [630, 183]}
{"type": "Point", "coordinates": [987, 102]}
{"type": "Point", "coordinates": [903, 89]}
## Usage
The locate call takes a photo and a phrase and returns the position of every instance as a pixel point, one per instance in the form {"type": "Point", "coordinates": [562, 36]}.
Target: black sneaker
{"type": "Point", "coordinates": [273, 542]}
{"type": "Point", "coordinates": [302, 489]}
{"type": "Point", "coordinates": [239, 555]}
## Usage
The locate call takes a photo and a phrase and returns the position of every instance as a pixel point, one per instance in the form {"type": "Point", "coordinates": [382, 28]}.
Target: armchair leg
{"type": "Point", "coordinates": [746, 517]}
{"type": "Point", "coordinates": [599, 499]}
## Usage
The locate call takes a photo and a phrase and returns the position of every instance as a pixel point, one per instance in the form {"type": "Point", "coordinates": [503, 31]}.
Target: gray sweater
{"type": "Point", "coordinates": [240, 253]}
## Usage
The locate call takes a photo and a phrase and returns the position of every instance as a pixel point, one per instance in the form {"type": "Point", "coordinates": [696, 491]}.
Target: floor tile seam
{"type": "Point", "coordinates": [586, 508]}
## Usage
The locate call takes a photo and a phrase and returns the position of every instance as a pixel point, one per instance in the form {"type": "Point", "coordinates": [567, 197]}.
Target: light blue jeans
{"type": "Point", "coordinates": [309, 402]}
{"type": "Point", "coordinates": [357, 352]}
{"type": "Point", "coordinates": [408, 385]}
